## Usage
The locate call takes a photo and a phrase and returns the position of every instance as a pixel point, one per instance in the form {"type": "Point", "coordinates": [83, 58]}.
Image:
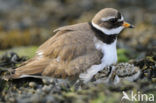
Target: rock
{"type": "Point", "coordinates": [50, 99]}
{"type": "Point", "coordinates": [48, 81]}
{"type": "Point", "coordinates": [31, 91]}
{"type": "Point", "coordinates": [39, 91]}
{"type": "Point", "coordinates": [36, 99]}
{"type": "Point", "coordinates": [12, 100]}
{"type": "Point", "coordinates": [32, 84]}
{"type": "Point", "coordinates": [10, 59]}
{"type": "Point", "coordinates": [47, 88]}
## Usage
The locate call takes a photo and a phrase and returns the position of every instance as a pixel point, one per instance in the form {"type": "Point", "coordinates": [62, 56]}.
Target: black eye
{"type": "Point", "coordinates": [113, 20]}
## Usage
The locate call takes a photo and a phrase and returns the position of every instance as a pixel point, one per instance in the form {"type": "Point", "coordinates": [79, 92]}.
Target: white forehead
{"type": "Point", "coordinates": [111, 17]}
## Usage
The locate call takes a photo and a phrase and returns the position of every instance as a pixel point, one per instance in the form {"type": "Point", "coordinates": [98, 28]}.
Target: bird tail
{"type": "Point", "coordinates": [33, 66]}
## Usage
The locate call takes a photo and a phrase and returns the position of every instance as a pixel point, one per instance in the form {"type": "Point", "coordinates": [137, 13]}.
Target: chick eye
{"type": "Point", "coordinates": [114, 20]}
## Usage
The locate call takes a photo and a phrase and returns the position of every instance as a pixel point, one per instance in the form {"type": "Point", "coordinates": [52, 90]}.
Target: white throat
{"type": "Point", "coordinates": [108, 31]}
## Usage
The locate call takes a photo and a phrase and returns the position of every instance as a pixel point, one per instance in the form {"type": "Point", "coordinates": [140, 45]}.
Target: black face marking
{"type": "Point", "coordinates": [119, 15]}
{"type": "Point", "coordinates": [113, 22]}
{"type": "Point", "coordinates": [117, 24]}
{"type": "Point", "coordinates": [108, 39]}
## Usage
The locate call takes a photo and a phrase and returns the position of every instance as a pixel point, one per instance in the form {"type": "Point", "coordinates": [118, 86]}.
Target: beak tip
{"type": "Point", "coordinates": [132, 26]}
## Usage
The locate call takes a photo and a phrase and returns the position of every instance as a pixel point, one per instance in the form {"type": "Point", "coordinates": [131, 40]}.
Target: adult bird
{"type": "Point", "coordinates": [79, 50]}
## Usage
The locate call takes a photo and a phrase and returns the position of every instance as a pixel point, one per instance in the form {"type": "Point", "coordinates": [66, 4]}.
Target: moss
{"type": "Point", "coordinates": [16, 37]}
{"type": "Point", "coordinates": [122, 55]}
{"type": "Point", "coordinates": [28, 51]}
{"type": "Point", "coordinates": [99, 99]}
{"type": "Point", "coordinates": [103, 98]}
{"type": "Point", "coordinates": [6, 88]}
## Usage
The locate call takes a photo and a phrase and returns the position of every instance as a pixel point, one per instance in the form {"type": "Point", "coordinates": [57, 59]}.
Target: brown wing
{"type": "Point", "coordinates": [68, 53]}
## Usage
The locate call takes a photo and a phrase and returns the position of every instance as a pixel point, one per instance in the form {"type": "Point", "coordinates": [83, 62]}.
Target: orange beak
{"type": "Point", "coordinates": [127, 25]}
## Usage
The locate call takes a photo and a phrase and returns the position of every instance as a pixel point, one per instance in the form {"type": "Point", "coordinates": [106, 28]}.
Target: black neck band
{"type": "Point", "coordinates": [108, 39]}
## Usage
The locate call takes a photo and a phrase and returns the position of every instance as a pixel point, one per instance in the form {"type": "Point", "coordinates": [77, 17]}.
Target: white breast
{"type": "Point", "coordinates": [109, 57]}
{"type": "Point", "coordinates": [109, 52]}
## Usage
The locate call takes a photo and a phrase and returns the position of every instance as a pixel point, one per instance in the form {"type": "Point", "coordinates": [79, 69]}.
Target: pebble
{"type": "Point", "coordinates": [20, 92]}
{"type": "Point", "coordinates": [45, 81]}
{"type": "Point", "coordinates": [31, 91]}
{"type": "Point", "coordinates": [154, 80]}
{"type": "Point", "coordinates": [12, 100]}
{"type": "Point", "coordinates": [38, 91]}
{"type": "Point", "coordinates": [50, 99]}
{"type": "Point", "coordinates": [48, 81]}
{"type": "Point", "coordinates": [47, 88]}
{"type": "Point", "coordinates": [36, 99]}
{"type": "Point", "coordinates": [32, 84]}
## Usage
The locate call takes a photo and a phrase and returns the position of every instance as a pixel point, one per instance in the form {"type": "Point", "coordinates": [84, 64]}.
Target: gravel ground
{"type": "Point", "coordinates": [102, 88]}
